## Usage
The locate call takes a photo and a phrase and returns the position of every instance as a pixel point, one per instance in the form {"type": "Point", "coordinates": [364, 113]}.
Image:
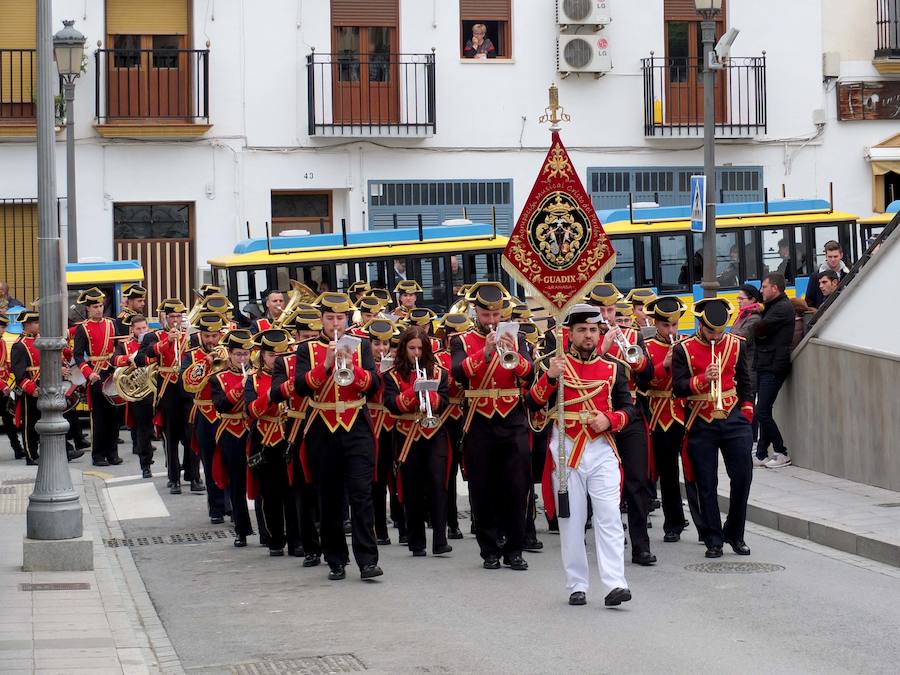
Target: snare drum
{"type": "Point", "coordinates": [111, 392]}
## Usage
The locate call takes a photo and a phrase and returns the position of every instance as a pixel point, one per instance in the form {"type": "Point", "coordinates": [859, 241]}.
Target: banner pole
{"type": "Point", "coordinates": [562, 495]}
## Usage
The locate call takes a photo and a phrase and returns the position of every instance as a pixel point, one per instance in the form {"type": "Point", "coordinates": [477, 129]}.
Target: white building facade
{"type": "Point", "coordinates": [194, 118]}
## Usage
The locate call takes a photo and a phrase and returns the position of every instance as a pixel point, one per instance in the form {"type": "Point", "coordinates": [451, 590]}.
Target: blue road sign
{"type": "Point", "coordinates": [698, 203]}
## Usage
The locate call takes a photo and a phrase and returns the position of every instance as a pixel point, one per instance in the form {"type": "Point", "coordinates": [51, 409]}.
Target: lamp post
{"type": "Point", "coordinates": [54, 511]}
{"type": "Point", "coordinates": [708, 10]}
{"type": "Point", "coordinates": [68, 49]}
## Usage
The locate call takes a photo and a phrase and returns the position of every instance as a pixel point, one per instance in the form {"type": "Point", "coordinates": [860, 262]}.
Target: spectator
{"type": "Point", "coordinates": [729, 277]}
{"type": "Point", "coordinates": [834, 260]}
{"type": "Point", "coordinates": [802, 316]}
{"type": "Point", "coordinates": [773, 335]}
{"type": "Point", "coordinates": [749, 306]}
{"type": "Point", "coordinates": [480, 46]}
{"type": "Point", "coordinates": [6, 301]}
{"type": "Point", "coordinates": [828, 283]}
{"type": "Point", "coordinates": [784, 252]}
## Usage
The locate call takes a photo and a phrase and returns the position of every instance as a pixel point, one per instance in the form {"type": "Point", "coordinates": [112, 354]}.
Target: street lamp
{"type": "Point", "coordinates": [68, 50]}
{"type": "Point", "coordinates": [708, 10]}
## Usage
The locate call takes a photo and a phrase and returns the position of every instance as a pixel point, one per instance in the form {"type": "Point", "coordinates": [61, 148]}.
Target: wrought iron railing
{"type": "Point", "coordinates": [673, 97]}
{"type": "Point", "coordinates": [887, 28]}
{"type": "Point", "coordinates": [18, 74]}
{"type": "Point", "coordinates": [152, 84]}
{"type": "Point", "coordinates": [380, 94]}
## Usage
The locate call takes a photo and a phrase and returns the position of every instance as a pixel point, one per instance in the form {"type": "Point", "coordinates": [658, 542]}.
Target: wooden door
{"type": "Point", "coordinates": [684, 74]}
{"type": "Point", "coordinates": [365, 75]}
{"type": "Point", "coordinates": [149, 77]}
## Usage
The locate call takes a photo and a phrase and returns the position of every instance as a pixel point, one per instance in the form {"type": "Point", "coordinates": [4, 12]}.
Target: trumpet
{"type": "Point", "coordinates": [715, 387]}
{"type": "Point", "coordinates": [428, 420]}
{"type": "Point", "coordinates": [509, 359]}
{"type": "Point", "coordinates": [631, 353]}
{"type": "Point", "coordinates": [343, 375]}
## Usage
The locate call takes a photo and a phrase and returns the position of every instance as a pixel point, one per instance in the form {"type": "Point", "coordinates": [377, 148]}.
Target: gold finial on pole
{"type": "Point", "coordinates": [554, 113]}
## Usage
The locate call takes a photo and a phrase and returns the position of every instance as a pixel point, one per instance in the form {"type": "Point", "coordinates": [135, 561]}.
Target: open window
{"type": "Point", "coordinates": [485, 29]}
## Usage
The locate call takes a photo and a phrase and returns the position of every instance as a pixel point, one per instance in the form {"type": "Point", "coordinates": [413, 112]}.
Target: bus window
{"type": "Point", "coordinates": [623, 275]}
{"type": "Point", "coordinates": [220, 278]}
{"type": "Point", "coordinates": [320, 278]}
{"type": "Point", "coordinates": [375, 272]}
{"type": "Point", "coordinates": [397, 273]}
{"type": "Point", "coordinates": [751, 261]}
{"type": "Point", "coordinates": [342, 274]}
{"type": "Point", "coordinates": [727, 259]}
{"type": "Point", "coordinates": [821, 236]}
{"type": "Point", "coordinates": [672, 260]}
{"type": "Point", "coordinates": [249, 286]}
{"type": "Point", "coordinates": [457, 275]}
{"type": "Point", "coordinates": [432, 273]}
{"type": "Point", "coordinates": [647, 277]}
{"type": "Point", "coordinates": [478, 268]}
{"type": "Point", "coordinates": [801, 254]}
{"type": "Point", "coordinates": [282, 278]}
{"type": "Point", "coordinates": [776, 253]}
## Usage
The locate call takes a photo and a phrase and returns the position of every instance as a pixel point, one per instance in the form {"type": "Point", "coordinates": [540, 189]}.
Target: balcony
{"type": "Point", "coordinates": [155, 93]}
{"type": "Point", "coordinates": [887, 30]}
{"type": "Point", "coordinates": [673, 97]}
{"type": "Point", "coordinates": [353, 94]}
{"type": "Point", "coordinates": [18, 77]}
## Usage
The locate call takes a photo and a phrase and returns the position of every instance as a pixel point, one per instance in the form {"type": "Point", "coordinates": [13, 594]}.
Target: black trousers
{"type": "Point", "coordinates": [306, 504]}
{"type": "Point", "coordinates": [454, 430]}
{"type": "Point", "coordinates": [75, 432]}
{"type": "Point", "coordinates": [176, 432]}
{"type": "Point", "coordinates": [30, 438]}
{"type": "Point", "coordinates": [142, 428]}
{"type": "Point", "coordinates": [104, 425]}
{"type": "Point", "coordinates": [424, 475]}
{"type": "Point", "coordinates": [382, 482]}
{"type": "Point", "coordinates": [345, 462]}
{"type": "Point", "coordinates": [632, 445]}
{"type": "Point", "coordinates": [234, 457]}
{"type": "Point", "coordinates": [206, 439]}
{"type": "Point", "coordinates": [498, 463]}
{"type": "Point", "coordinates": [666, 452]}
{"type": "Point", "coordinates": [733, 437]}
{"type": "Point", "coordinates": [539, 442]}
{"type": "Point", "coordinates": [9, 425]}
{"type": "Point", "coordinates": [279, 512]}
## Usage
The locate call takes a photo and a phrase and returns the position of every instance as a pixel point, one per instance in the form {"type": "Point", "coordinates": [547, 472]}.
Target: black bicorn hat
{"type": "Point", "coordinates": [640, 296]}
{"type": "Point", "coordinates": [455, 323]}
{"type": "Point", "coordinates": [134, 291]}
{"type": "Point", "coordinates": [209, 321]}
{"type": "Point", "coordinates": [408, 286]}
{"type": "Point", "coordinates": [360, 286]}
{"type": "Point", "coordinates": [603, 294]}
{"type": "Point", "coordinates": [170, 306]}
{"type": "Point", "coordinates": [305, 319]}
{"type": "Point", "coordinates": [27, 316]}
{"type": "Point", "coordinates": [273, 340]}
{"type": "Point", "coordinates": [239, 338]}
{"type": "Point", "coordinates": [91, 296]}
{"type": "Point", "coordinates": [216, 302]}
{"type": "Point", "coordinates": [334, 302]}
{"type": "Point", "coordinates": [421, 316]}
{"type": "Point", "coordinates": [665, 308]}
{"type": "Point", "coordinates": [714, 313]}
{"type": "Point", "coordinates": [371, 304]}
{"type": "Point", "coordinates": [380, 329]}
{"type": "Point", "coordinates": [488, 295]}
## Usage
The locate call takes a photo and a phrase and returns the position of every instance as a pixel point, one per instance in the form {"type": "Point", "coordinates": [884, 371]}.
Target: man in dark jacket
{"type": "Point", "coordinates": [834, 261]}
{"type": "Point", "coordinates": [773, 332]}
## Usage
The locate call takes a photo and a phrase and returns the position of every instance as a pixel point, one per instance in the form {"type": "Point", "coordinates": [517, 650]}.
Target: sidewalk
{"type": "Point", "coordinates": [834, 512]}
{"type": "Point", "coordinates": [97, 622]}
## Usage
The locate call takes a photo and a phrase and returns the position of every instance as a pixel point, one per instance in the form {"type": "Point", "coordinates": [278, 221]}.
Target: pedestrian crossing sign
{"type": "Point", "coordinates": [698, 203]}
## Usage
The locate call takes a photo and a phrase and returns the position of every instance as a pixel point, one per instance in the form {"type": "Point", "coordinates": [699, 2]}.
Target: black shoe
{"type": "Point", "coordinates": [240, 541]}
{"type": "Point", "coordinates": [73, 454]}
{"type": "Point", "coordinates": [348, 528]}
{"type": "Point", "coordinates": [216, 520]}
{"type": "Point", "coordinates": [654, 504]}
{"type": "Point", "coordinates": [644, 558]}
{"type": "Point", "coordinates": [311, 560]}
{"type": "Point", "coordinates": [116, 461]}
{"type": "Point", "coordinates": [175, 489]}
{"type": "Point", "coordinates": [169, 484]}
{"type": "Point", "coordinates": [515, 561]}
{"type": "Point", "coordinates": [119, 441]}
{"type": "Point", "coordinates": [491, 563]}
{"type": "Point", "coordinates": [370, 572]}
{"type": "Point", "coordinates": [616, 597]}
{"type": "Point", "coordinates": [276, 552]}
{"type": "Point", "coordinates": [713, 551]}
{"type": "Point", "coordinates": [337, 573]}
{"type": "Point", "coordinates": [82, 443]}
{"type": "Point", "coordinates": [578, 598]}
{"type": "Point", "coordinates": [472, 528]}
{"type": "Point", "coordinates": [18, 454]}
{"type": "Point", "coordinates": [419, 553]}
{"type": "Point", "coordinates": [403, 539]}
{"type": "Point", "coordinates": [197, 486]}
{"type": "Point", "coordinates": [533, 545]}
{"type": "Point", "coordinates": [31, 462]}
{"type": "Point", "coordinates": [739, 547]}
{"type": "Point", "coordinates": [146, 473]}
{"type": "Point", "coordinates": [649, 524]}
{"type": "Point", "coordinates": [454, 533]}
{"type": "Point", "coordinates": [672, 537]}
{"type": "Point", "coordinates": [383, 541]}
{"type": "Point", "coordinates": [296, 551]}
{"type": "Point", "coordinates": [441, 550]}
{"type": "Point", "coordinates": [100, 462]}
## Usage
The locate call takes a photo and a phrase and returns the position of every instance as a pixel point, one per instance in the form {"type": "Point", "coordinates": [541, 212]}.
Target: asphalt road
{"type": "Point", "coordinates": [824, 612]}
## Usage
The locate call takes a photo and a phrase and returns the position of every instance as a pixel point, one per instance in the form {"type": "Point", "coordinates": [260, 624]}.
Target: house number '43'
{"type": "Point", "coordinates": [309, 175]}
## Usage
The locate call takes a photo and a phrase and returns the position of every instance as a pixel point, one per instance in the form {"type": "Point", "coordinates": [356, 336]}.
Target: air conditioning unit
{"type": "Point", "coordinates": [582, 12]}
{"type": "Point", "coordinates": [583, 54]}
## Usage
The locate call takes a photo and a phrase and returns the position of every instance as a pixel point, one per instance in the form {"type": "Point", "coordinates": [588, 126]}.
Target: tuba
{"type": "Point", "coordinates": [196, 377]}
{"type": "Point", "coordinates": [135, 384]}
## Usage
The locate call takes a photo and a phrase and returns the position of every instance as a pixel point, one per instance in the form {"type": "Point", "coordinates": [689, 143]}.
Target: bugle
{"type": "Point", "coordinates": [631, 353]}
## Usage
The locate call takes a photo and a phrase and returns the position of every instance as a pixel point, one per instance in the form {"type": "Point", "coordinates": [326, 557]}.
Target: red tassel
{"type": "Point", "coordinates": [304, 463]}
{"type": "Point", "coordinates": [686, 461]}
{"type": "Point", "coordinates": [652, 473]}
{"type": "Point", "coordinates": [220, 476]}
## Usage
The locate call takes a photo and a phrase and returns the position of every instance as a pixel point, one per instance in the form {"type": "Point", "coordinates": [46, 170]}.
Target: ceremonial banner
{"type": "Point", "coordinates": [558, 249]}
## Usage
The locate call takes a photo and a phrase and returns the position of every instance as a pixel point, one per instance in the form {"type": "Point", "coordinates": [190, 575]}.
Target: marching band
{"type": "Point", "coordinates": [348, 403]}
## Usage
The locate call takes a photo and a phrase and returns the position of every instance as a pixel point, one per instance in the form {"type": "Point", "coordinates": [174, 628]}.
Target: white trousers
{"type": "Point", "coordinates": [597, 477]}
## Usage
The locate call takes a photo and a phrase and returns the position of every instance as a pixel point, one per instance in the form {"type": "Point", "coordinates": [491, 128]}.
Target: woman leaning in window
{"type": "Point", "coordinates": [480, 46]}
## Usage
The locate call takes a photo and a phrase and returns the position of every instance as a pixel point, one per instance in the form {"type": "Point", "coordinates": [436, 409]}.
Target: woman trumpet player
{"type": "Point", "coordinates": [422, 441]}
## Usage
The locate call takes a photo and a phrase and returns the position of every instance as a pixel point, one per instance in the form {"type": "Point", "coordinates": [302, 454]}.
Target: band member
{"type": "Point", "coordinates": [93, 350]}
{"type": "Point", "coordinates": [407, 292]}
{"type": "Point", "coordinates": [197, 369]}
{"type": "Point", "coordinates": [6, 415]}
{"type": "Point", "coordinates": [134, 301]}
{"type": "Point", "coordinates": [710, 370]}
{"type": "Point", "coordinates": [339, 436]}
{"type": "Point", "coordinates": [632, 441]}
{"type": "Point", "coordinates": [138, 415]}
{"type": "Point", "coordinates": [451, 326]}
{"type": "Point", "coordinates": [598, 404]}
{"type": "Point", "coordinates": [624, 315]}
{"type": "Point", "coordinates": [423, 451]}
{"type": "Point", "coordinates": [274, 301]}
{"type": "Point", "coordinates": [367, 308]}
{"type": "Point", "coordinates": [539, 429]}
{"type": "Point", "coordinates": [497, 454]}
{"type": "Point", "coordinates": [666, 416]}
{"type": "Point", "coordinates": [219, 304]}
{"type": "Point", "coordinates": [382, 294]}
{"type": "Point", "coordinates": [424, 318]}
{"type": "Point", "coordinates": [25, 362]}
{"type": "Point", "coordinates": [639, 298]}
{"type": "Point", "coordinates": [268, 446]}
{"type": "Point", "coordinates": [379, 332]}
{"type": "Point", "coordinates": [358, 289]}
{"type": "Point", "coordinates": [168, 345]}
{"type": "Point", "coordinates": [227, 393]}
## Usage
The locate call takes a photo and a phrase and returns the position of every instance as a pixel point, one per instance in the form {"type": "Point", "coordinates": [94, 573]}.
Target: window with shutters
{"type": "Point", "coordinates": [301, 210]}
{"type": "Point", "coordinates": [18, 63]}
{"type": "Point", "coordinates": [485, 29]}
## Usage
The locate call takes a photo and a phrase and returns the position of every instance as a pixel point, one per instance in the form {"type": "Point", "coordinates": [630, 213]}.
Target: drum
{"type": "Point", "coordinates": [111, 392]}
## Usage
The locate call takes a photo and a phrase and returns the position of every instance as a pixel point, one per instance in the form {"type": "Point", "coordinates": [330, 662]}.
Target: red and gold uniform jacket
{"type": "Point", "coordinates": [202, 403]}
{"type": "Point", "coordinates": [263, 323]}
{"type": "Point", "coordinates": [639, 373]}
{"type": "Point", "coordinates": [665, 408]}
{"type": "Point", "coordinates": [337, 407]}
{"type": "Point", "coordinates": [94, 347]}
{"type": "Point", "coordinates": [593, 385]}
{"type": "Point", "coordinates": [689, 362]}
{"type": "Point", "coordinates": [403, 401]}
{"type": "Point", "coordinates": [282, 390]}
{"type": "Point", "coordinates": [382, 419]}
{"type": "Point", "coordinates": [489, 388]}
{"type": "Point", "coordinates": [124, 349]}
{"type": "Point", "coordinates": [25, 362]}
{"type": "Point", "coordinates": [4, 367]}
{"type": "Point", "coordinates": [168, 348]}
{"type": "Point", "coordinates": [266, 420]}
{"type": "Point", "coordinates": [455, 391]}
{"type": "Point", "coordinates": [227, 394]}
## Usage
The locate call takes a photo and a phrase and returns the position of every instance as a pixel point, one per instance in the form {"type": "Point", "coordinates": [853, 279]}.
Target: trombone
{"type": "Point", "coordinates": [343, 374]}
{"type": "Point", "coordinates": [427, 420]}
{"type": "Point", "coordinates": [632, 353]}
{"type": "Point", "coordinates": [715, 387]}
